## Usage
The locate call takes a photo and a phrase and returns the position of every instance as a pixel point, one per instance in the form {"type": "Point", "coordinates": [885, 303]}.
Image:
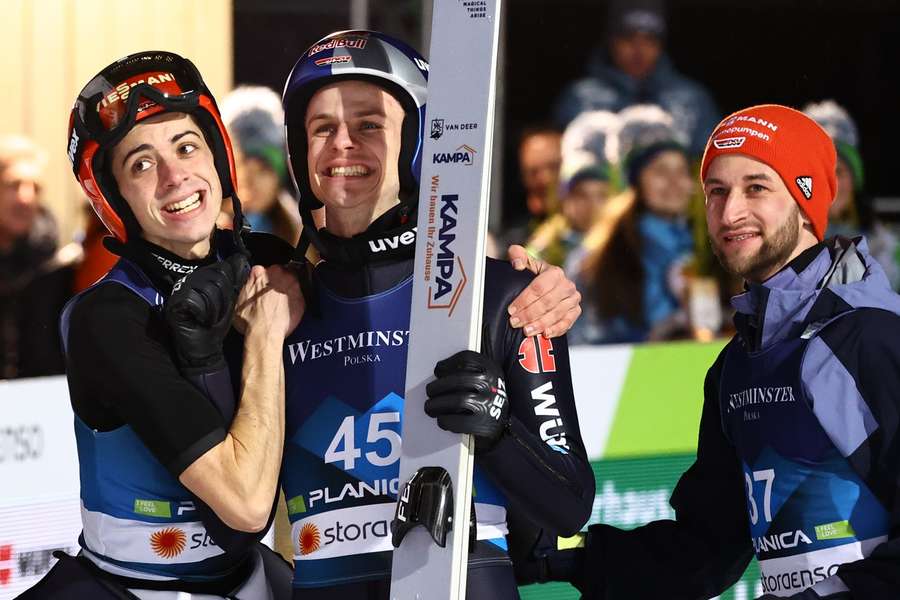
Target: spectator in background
{"type": "Point", "coordinates": [540, 158]}
{"type": "Point", "coordinates": [847, 215]}
{"type": "Point", "coordinates": [35, 274]}
{"type": "Point", "coordinates": [634, 256]}
{"type": "Point", "coordinates": [851, 214]}
{"type": "Point", "coordinates": [633, 68]}
{"type": "Point", "coordinates": [585, 184]}
{"type": "Point", "coordinates": [584, 193]}
{"type": "Point", "coordinates": [97, 259]}
{"type": "Point", "coordinates": [255, 120]}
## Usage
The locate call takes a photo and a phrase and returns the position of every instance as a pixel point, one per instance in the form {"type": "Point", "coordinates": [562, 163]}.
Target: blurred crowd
{"type": "Point", "coordinates": [612, 192]}
{"type": "Point", "coordinates": [611, 195]}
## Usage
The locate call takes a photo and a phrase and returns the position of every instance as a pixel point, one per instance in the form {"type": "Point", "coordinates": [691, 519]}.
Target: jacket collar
{"type": "Point", "coordinates": [826, 280]}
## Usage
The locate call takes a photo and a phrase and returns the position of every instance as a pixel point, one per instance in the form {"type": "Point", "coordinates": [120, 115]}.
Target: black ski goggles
{"type": "Point", "coordinates": [134, 88]}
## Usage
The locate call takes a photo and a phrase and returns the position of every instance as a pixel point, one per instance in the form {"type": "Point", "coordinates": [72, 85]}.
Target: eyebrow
{"type": "Point", "coordinates": [745, 178]}
{"type": "Point", "coordinates": [143, 147]}
{"type": "Point", "coordinates": [360, 114]}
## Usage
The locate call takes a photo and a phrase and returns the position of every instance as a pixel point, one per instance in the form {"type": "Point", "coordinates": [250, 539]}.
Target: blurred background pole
{"type": "Point", "coordinates": [425, 46]}
{"type": "Point", "coordinates": [359, 14]}
{"type": "Point", "coordinates": [496, 213]}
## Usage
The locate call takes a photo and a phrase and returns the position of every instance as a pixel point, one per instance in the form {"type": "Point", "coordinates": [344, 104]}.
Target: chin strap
{"type": "Point", "coordinates": [239, 225]}
{"type": "Point", "coordinates": [376, 244]}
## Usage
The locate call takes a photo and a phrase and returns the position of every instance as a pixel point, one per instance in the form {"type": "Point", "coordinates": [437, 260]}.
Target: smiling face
{"type": "Point", "coordinates": [665, 184]}
{"type": "Point", "coordinates": [353, 134]}
{"type": "Point", "coordinates": [583, 203]}
{"type": "Point", "coordinates": [755, 226]}
{"type": "Point", "coordinates": [165, 171]}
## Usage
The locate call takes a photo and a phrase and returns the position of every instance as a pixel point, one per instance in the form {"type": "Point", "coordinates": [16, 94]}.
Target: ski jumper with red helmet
{"type": "Point", "coordinates": [142, 527]}
{"type": "Point", "coordinates": [126, 92]}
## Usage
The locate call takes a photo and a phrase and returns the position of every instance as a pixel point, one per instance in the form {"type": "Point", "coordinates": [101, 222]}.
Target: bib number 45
{"type": "Point", "coordinates": [343, 448]}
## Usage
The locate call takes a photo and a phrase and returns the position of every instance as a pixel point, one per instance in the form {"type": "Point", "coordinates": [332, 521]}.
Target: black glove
{"type": "Point", "coordinates": [200, 310]}
{"type": "Point", "coordinates": [469, 396]}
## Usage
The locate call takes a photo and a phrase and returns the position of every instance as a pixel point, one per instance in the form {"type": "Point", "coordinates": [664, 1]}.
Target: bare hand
{"type": "Point", "coordinates": [550, 304]}
{"type": "Point", "coordinates": [271, 299]}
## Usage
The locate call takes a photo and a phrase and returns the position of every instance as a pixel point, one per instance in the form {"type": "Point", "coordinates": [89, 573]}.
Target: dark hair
{"type": "Point", "coordinates": [613, 271]}
{"type": "Point", "coordinates": [537, 129]}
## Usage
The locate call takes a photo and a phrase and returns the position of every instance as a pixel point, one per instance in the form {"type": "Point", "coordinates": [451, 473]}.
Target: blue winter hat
{"type": "Point", "coordinates": [255, 119]}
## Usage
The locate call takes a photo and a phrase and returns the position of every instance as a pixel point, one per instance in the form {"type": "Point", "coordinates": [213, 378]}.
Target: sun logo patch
{"type": "Point", "coordinates": [309, 539]}
{"type": "Point", "coordinates": [168, 542]}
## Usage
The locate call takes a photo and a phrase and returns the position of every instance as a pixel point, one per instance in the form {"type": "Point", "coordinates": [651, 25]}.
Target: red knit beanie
{"type": "Point", "coordinates": [799, 150]}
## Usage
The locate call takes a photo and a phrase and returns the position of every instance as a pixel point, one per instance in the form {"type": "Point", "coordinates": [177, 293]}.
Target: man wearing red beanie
{"type": "Point", "coordinates": [799, 453]}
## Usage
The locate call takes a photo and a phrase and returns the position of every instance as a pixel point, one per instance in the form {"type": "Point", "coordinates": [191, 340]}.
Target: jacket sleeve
{"type": "Point", "coordinates": [866, 345]}
{"type": "Point", "coordinates": [540, 463]}
{"type": "Point", "coordinates": [121, 370]}
{"type": "Point", "coordinates": [696, 556]}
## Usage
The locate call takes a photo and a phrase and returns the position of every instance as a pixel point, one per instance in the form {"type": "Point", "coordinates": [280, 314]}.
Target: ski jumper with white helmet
{"type": "Point", "coordinates": [345, 372]}
{"type": "Point", "coordinates": [390, 64]}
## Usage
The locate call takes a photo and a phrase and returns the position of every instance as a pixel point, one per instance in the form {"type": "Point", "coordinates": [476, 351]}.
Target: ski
{"type": "Point", "coordinates": [431, 528]}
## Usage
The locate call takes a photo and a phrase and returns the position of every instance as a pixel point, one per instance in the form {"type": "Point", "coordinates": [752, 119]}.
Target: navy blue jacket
{"type": "Point", "coordinates": [849, 373]}
{"type": "Point", "coordinates": [607, 88]}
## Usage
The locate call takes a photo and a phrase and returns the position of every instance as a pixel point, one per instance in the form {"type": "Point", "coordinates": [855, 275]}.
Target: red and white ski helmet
{"type": "Point", "coordinates": [127, 91]}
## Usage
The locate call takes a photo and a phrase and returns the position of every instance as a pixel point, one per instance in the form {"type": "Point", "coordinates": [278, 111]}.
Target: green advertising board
{"type": "Point", "coordinates": [639, 410]}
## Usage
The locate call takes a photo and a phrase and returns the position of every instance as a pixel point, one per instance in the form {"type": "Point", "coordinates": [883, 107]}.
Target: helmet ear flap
{"type": "Point", "coordinates": [410, 150]}
{"type": "Point", "coordinates": [297, 149]}
{"type": "Point", "coordinates": [110, 190]}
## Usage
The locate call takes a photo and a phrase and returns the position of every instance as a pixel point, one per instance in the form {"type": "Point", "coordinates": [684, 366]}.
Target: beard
{"type": "Point", "coordinates": [773, 254]}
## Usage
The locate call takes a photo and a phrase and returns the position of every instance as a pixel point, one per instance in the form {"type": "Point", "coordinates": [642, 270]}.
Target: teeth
{"type": "Point", "coordinates": [739, 238]}
{"type": "Point", "coordinates": [186, 205]}
{"type": "Point", "coordinates": [350, 171]}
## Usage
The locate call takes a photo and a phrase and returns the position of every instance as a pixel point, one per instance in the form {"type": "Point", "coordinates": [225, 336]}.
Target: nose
{"type": "Point", "coordinates": [171, 172]}
{"type": "Point", "coordinates": [734, 208]}
{"type": "Point", "coordinates": [342, 140]}
{"type": "Point", "coordinates": [26, 193]}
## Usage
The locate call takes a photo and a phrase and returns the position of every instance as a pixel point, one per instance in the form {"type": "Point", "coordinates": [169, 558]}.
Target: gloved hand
{"type": "Point", "coordinates": [469, 396]}
{"type": "Point", "coordinates": [200, 310]}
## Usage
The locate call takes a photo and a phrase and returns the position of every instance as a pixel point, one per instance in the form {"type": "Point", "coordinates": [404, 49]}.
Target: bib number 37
{"type": "Point", "coordinates": [766, 476]}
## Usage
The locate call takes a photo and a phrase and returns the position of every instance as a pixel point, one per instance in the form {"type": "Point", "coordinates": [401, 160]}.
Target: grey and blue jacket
{"type": "Point", "coordinates": [798, 456]}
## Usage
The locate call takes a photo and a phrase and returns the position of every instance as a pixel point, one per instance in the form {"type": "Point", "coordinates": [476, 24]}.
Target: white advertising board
{"type": "Point", "coordinates": [39, 506]}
